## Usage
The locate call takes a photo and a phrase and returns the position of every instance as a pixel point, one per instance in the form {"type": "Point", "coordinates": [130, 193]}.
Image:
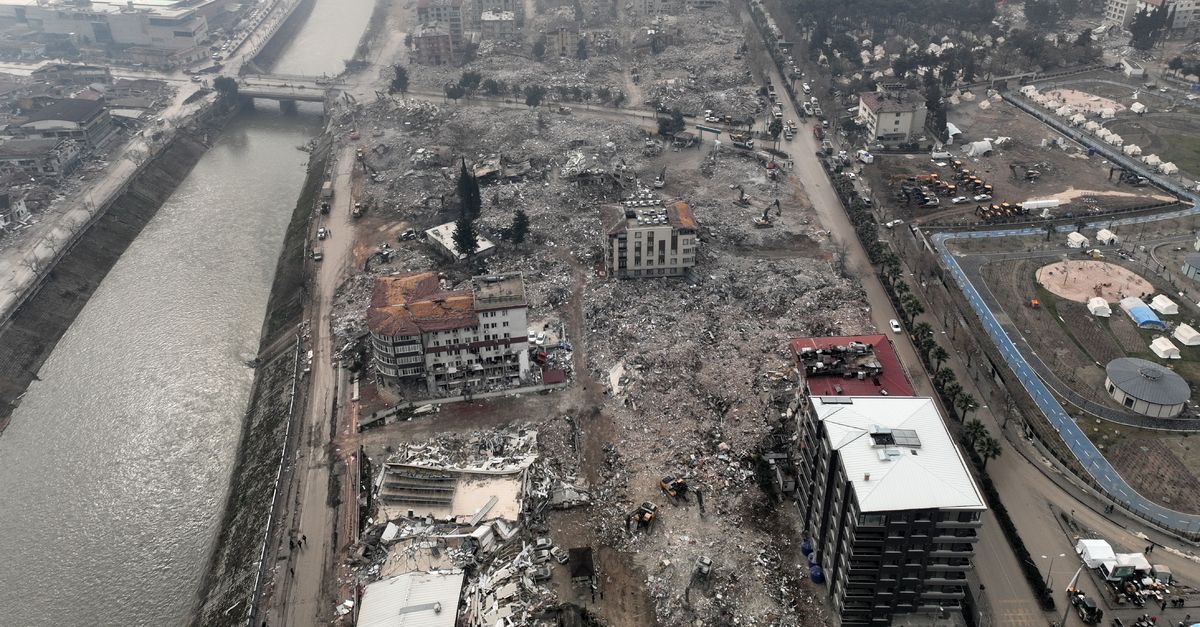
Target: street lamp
{"type": "Point", "coordinates": [1050, 571]}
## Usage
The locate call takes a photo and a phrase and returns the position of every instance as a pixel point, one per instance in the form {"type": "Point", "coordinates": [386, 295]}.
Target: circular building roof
{"type": "Point", "coordinates": [1148, 381]}
{"type": "Point", "coordinates": [1192, 259]}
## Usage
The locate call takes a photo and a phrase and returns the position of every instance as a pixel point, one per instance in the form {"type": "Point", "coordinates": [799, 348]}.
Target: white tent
{"type": "Point", "coordinates": [1103, 133]}
{"type": "Point", "coordinates": [985, 105]}
{"type": "Point", "coordinates": [1137, 107]}
{"type": "Point", "coordinates": [1152, 160]}
{"type": "Point", "coordinates": [968, 96]}
{"type": "Point", "coordinates": [1029, 90]}
{"type": "Point", "coordinates": [1078, 119]}
{"type": "Point", "coordinates": [1168, 168]}
{"type": "Point", "coordinates": [1108, 113]}
{"type": "Point", "coordinates": [978, 149]}
{"type": "Point", "coordinates": [1164, 348]}
{"type": "Point", "coordinates": [1075, 239]}
{"type": "Point", "coordinates": [1064, 111]}
{"type": "Point", "coordinates": [1099, 307]}
{"type": "Point", "coordinates": [1132, 150]}
{"type": "Point", "coordinates": [1106, 237]}
{"type": "Point", "coordinates": [1091, 126]}
{"type": "Point", "coordinates": [1164, 305]}
{"type": "Point", "coordinates": [1187, 335]}
{"type": "Point", "coordinates": [1094, 552]}
{"type": "Point", "coordinates": [1115, 140]}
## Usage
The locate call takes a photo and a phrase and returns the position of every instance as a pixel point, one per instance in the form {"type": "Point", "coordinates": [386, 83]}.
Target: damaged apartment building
{"type": "Point", "coordinates": [890, 509]}
{"type": "Point", "coordinates": [452, 340]}
{"type": "Point", "coordinates": [646, 239]}
{"type": "Point", "coordinates": [445, 27]}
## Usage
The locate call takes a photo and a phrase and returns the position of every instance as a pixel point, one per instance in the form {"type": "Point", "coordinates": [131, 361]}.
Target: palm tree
{"type": "Point", "coordinates": [922, 330]}
{"type": "Point", "coordinates": [952, 390]}
{"type": "Point", "coordinates": [902, 288]}
{"type": "Point", "coordinates": [938, 355]}
{"type": "Point", "coordinates": [942, 377]}
{"type": "Point", "coordinates": [966, 403]}
{"type": "Point", "coordinates": [988, 448]}
{"type": "Point", "coordinates": [973, 430]}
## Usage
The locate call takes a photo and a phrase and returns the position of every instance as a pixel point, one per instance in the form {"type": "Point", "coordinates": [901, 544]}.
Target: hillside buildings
{"type": "Point", "coordinates": [450, 340]}
{"type": "Point", "coordinates": [651, 241]}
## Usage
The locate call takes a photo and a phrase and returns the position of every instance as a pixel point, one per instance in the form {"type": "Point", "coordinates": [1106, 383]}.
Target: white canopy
{"type": "Point", "coordinates": [1164, 348]}
{"type": "Point", "coordinates": [1108, 113]}
{"type": "Point", "coordinates": [1151, 160]}
{"type": "Point", "coordinates": [1075, 239]}
{"type": "Point", "coordinates": [1137, 107]}
{"type": "Point", "coordinates": [1099, 307]}
{"type": "Point", "coordinates": [1187, 335]}
{"type": "Point", "coordinates": [1078, 119]}
{"type": "Point", "coordinates": [1164, 305]}
{"type": "Point", "coordinates": [1106, 237]}
{"type": "Point", "coordinates": [1064, 111]}
{"type": "Point", "coordinates": [1103, 133]}
{"type": "Point", "coordinates": [1115, 139]}
{"type": "Point", "coordinates": [978, 149]}
{"type": "Point", "coordinates": [985, 105]}
{"type": "Point", "coordinates": [1094, 552]}
{"type": "Point", "coordinates": [1132, 150]}
{"type": "Point", "coordinates": [1168, 168]}
{"type": "Point", "coordinates": [1029, 90]}
{"type": "Point", "coordinates": [1091, 126]}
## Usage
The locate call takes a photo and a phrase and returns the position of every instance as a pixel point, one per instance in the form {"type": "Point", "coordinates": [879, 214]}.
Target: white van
{"type": "Point", "coordinates": [939, 155]}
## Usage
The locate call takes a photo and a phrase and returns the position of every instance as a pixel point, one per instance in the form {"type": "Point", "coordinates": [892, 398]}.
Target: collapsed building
{"type": "Point", "coordinates": [449, 339]}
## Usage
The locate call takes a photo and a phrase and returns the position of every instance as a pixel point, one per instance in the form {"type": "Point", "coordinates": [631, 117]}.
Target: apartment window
{"type": "Point", "coordinates": [638, 235]}
{"type": "Point", "coordinates": [506, 323]}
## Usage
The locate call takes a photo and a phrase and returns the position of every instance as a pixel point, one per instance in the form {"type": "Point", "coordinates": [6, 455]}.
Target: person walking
{"type": "Point", "coordinates": [1163, 606]}
{"type": "Point", "coordinates": [291, 544]}
{"type": "Point", "coordinates": [303, 540]}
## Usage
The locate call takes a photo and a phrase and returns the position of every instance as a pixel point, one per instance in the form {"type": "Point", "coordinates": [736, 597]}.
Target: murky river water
{"type": "Point", "coordinates": [114, 469]}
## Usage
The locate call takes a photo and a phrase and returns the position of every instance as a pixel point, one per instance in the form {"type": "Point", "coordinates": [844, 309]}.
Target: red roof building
{"type": "Point", "coordinates": [851, 365]}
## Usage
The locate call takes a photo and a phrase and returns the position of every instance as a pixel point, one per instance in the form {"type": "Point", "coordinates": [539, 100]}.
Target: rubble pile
{"type": "Point", "coordinates": [513, 64]}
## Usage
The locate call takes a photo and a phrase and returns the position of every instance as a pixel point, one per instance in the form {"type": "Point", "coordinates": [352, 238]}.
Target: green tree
{"type": "Point", "coordinates": [465, 237]}
{"type": "Point", "coordinates": [973, 430]}
{"type": "Point", "coordinates": [988, 448]}
{"type": "Point", "coordinates": [1147, 27]}
{"type": "Point", "coordinates": [470, 80]}
{"type": "Point", "coordinates": [912, 307]}
{"type": "Point", "coordinates": [936, 108]}
{"type": "Point", "coordinates": [618, 98]}
{"type": "Point", "coordinates": [775, 129]}
{"type": "Point", "coordinates": [534, 95]}
{"type": "Point", "coordinates": [1050, 231]}
{"type": "Point", "coordinates": [539, 49]}
{"type": "Point", "coordinates": [942, 377]}
{"type": "Point", "coordinates": [470, 200]}
{"type": "Point", "coordinates": [1175, 65]}
{"type": "Point", "coordinates": [1043, 13]}
{"type": "Point", "coordinates": [938, 355]}
{"type": "Point", "coordinates": [966, 404]}
{"type": "Point", "coordinates": [922, 330]}
{"type": "Point", "coordinates": [490, 87]}
{"type": "Point", "coordinates": [520, 226]}
{"type": "Point", "coordinates": [581, 50]}
{"type": "Point", "coordinates": [399, 80]}
{"type": "Point", "coordinates": [677, 123]}
{"type": "Point", "coordinates": [227, 90]}
{"type": "Point", "coordinates": [455, 91]}
{"type": "Point", "coordinates": [952, 390]}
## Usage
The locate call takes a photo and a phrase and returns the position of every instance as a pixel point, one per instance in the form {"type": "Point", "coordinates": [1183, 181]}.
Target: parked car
{"type": "Point", "coordinates": [895, 325]}
{"type": "Point", "coordinates": [317, 255]}
{"type": "Point", "coordinates": [322, 233]}
{"type": "Point", "coordinates": [982, 197]}
{"type": "Point", "coordinates": [541, 572]}
{"type": "Point", "coordinates": [958, 200]}
{"type": "Point", "coordinates": [894, 223]}
{"type": "Point", "coordinates": [542, 543]}
{"type": "Point", "coordinates": [558, 554]}
{"type": "Point", "coordinates": [541, 556]}
{"type": "Point", "coordinates": [539, 338]}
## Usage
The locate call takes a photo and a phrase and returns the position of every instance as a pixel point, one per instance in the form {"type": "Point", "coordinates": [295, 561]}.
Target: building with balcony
{"type": "Point", "coordinates": [85, 121]}
{"type": "Point", "coordinates": [431, 45]}
{"type": "Point", "coordinates": [892, 116]}
{"type": "Point", "coordinates": [452, 340]}
{"type": "Point", "coordinates": [39, 158]}
{"type": "Point", "coordinates": [651, 241]}
{"type": "Point", "coordinates": [449, 13]}
{"type": "Point", "coordinates": [889, 507]}
{"type": "Point", "coordinates": [497, 25]}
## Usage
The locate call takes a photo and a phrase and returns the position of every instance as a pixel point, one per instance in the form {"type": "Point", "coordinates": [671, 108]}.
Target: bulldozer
{"type": "Point", "coordinates": [765, 222]}
{"type": "Point", "coordinates": [644, 515]}
{"type": "Point", "coordinates": [673, 487]}
{"type": "Point", "coordinates": [661, 180]}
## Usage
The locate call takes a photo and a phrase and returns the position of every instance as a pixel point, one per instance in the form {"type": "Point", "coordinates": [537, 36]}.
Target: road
{"type": "Point", "coordinates": [1077, 442]}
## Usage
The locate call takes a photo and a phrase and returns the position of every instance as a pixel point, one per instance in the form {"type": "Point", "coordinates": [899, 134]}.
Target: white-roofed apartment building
{"type": "Point", "coordinates": [888, 504]}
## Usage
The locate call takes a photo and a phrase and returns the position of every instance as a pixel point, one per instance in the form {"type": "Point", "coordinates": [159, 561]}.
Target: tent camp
{"type": "Point", "coordinates": [1078, 119]}
{"type": "Point", "coordinates": [1168, 168]}
{"type": "Point", "coordinates": [1095, 552]}
{"type": "Point", "coordinates": [1099, 307]}
{"type": "Point", "coordinates": [978, 149]}
{"type": "Point", "coordinates": [1164, 305]}
{"type": "Point", "coordinates": [1132, 150]}
{"type": "Point", "coordinates": [1137, 107]}
{"type": "Point", "coordinates": [1141, 314]}
{"type": "Point", "coordinates": [1187, 335]}
{"type": "Point", "coordinates": [985, 105]}
{"type": "Point", "coordinates": [1075, 239]}
{"type": "Point", "coordinates": [1106, 237]}
{"type": "Point", "coordinates": [1091, 126]}
{"type": "Point", "coordinates": [1164, 348]}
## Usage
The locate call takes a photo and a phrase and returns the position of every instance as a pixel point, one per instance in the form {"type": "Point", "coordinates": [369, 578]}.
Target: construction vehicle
{"type": "Point", "coordinates": [1131, 178]}
{"type": "Point", "coordinates": [1086, 607]}
{"type": "Point", "coordinates": [1035, 303]}
{"type": "Point", "coordinates": [742, 200]}
{"type": "Point", "coordinates": [661, 180]}
{"type": "Point", "coordinates": [357, 210]}
{"type": "Point", "coordinates": [644, 515]}
{"type": "Point", "coordinates": [673, 486]}
{"type": "Point", "coordinates": [742, 140]}
{"type": "Point", "coordinates": [765, 221]}
{"type": "Point", "coordinates": [703, 568]}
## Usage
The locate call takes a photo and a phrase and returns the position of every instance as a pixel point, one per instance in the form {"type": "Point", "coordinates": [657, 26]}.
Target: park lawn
{"type": "Point", "coordinates": [1183, 151]}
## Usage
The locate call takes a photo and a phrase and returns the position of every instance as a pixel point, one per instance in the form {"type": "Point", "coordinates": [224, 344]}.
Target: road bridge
{"type": "Point", "coordinates": [289, 88]}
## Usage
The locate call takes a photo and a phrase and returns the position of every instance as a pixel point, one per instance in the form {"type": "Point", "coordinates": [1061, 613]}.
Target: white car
{"type": "Point", "coordinates": [322, 233]}
{"type": "Point", "coordinates": [894, 223]}
{"type": "Point", "coordinates": [982, 197]}
{"type": "Point", "coordinates": [540, 338]}
{"type": "Point", "coordinates": [958, 200]}
{"type": "Point", "coordinates": [895, 325]}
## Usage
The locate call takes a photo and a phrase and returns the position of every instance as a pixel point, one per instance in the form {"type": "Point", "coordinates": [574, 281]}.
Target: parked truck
{"type": "Point", "coordinates": [327, 190]}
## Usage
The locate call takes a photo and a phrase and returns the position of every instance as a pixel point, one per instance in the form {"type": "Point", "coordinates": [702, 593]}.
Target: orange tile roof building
{"type": "Point", "coordinates": [451, 339]}
{"type": "Point", "coordinates": [651, 241]}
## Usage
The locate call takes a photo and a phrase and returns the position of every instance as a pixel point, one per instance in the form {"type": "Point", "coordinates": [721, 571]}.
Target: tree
{"type": "Point", "coordinates": [1147, 26]}
{"type": "Point", "coordinates": [470, 80]}
{"type": "Point", "coordinates": [618, 98]}
{"type": "Point", "coordinates": [988, 448]}
{"type": "Point", "coordinates": [1085, 38]}
{"type": "Point", "coordinates": [938, 355]}
{"type": "Point", "coordinates": [775, 128]}
{"type": "Point", "coordinates": [581, 50]}
{"type": "Point", "coordinates": [465, 237]}
{"type": "Point", "coordinates": [470, 200]}
{"type": "Point", "coordinates": [677, 123]}
{"type": "Point", "coordinates": [408, 40]}
{"type": "Point", "coordinates": [1175, 65]}
{"type": "Point", "coordinates": [912, 306]}
{"type": "Point", "coordinates": [952, 390]}
{"type": "Point", "coordinates": [227, 89]}
{"type": "Point", "coordinates": [534, 95]}
{"type": "Point", "coordinates": [966, 404]}
{"type": "Point", "coordinates": [936, 108]}
{"type": "Point", "coordinates": [455, 91]}
{"type": "Point", "coordinates": [399, 80]}
{"type": "Point", "coordinates": [539, 49]}
{"type": "Point", "coordinates": [520, 226]}
{"type": "Point", "coordinates": [1043, 13]}
{"type": "Point", "coordinates": [942, 377]}
{"type": "Point", "coordinates": [973, 429]}
{"type": "Point", "coordinates": [922, 330]}
{"type": "Point", "coordinates": [490, 87]}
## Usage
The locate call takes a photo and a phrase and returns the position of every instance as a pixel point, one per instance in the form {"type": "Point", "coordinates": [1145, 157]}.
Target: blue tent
{"type": "Point", "coordinates": [1142, 314]}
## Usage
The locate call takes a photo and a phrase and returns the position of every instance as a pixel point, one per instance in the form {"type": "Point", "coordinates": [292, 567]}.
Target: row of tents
{"type": "Point", "coordinates": [1144, 317]}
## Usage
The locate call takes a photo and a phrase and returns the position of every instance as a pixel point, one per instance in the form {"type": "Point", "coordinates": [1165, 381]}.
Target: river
{"type": "Point", "coordinates": [115, 467]}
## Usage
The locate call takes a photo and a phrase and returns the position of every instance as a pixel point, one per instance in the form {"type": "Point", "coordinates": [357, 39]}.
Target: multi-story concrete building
{"type": "Point", "coordinates": [86, 121]}
{"type": "Point", "coordinates": [562, 41]}
{"type": "Point", "coordinates": [894, 116]}
{"type": "Point", "coordinates": [449, 13]}
{"type": "Point", "coordinates": [478, 7]}
{"type": "Point", "coordinates": [1121, 12]}
{"type": "Point", "coordinates": [889, 506]}
{"type": "Point", "coordinates": [651, 241]}
{"type": "Point", "coordinates": [169, 24]}
{"type": "Point", "coordinates": [40, 158]}
{"type": "Point", "coordinates": [432, 45]}
{"type": "Point", "coordinates": [452, 340]}
{"type": "Point", "coordinates": [498, 25]}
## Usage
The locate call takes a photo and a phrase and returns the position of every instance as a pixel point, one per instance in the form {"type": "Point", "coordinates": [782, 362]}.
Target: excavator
{"type": "Point", "coordinates": [741, 201]}
{"type": "Point", "coordinates": [644, 515]}
{"type": "Point", "coordinates": [673, 487]}
{"type": "Point", "coordinates": [765, 221]}
{"type": "Point", "coordinates": [661, 180]}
